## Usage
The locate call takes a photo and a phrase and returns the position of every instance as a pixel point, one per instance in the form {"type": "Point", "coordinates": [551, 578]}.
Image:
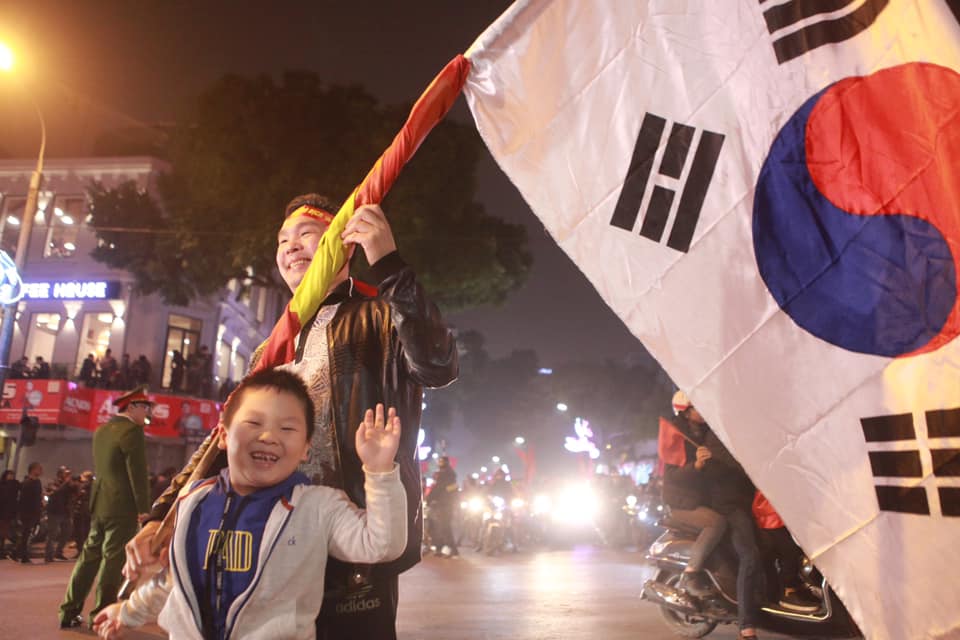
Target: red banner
{"type": "Point", "coordinates": [66, 403]}
{"type": "Point", "coordinates": [42, 399]}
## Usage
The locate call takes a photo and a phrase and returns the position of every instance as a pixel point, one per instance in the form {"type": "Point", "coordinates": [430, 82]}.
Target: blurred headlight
{"type": "Point", "coordinates": [517, 503]}
{"type": "Point", "coordinates": [631, 501]}
{"type": "Point", "coordinates": [498, 502]}
{"type": "Point", "coordinates": [475, 505]}
{"type": "Point", "coordinates": [576, 505]}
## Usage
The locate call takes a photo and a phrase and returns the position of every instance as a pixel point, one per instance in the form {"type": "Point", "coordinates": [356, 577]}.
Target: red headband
{"type": "Point", "coordinates": [312, 212]}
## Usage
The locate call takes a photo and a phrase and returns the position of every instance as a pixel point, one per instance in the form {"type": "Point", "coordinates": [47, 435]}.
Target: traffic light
{"type": "Point", "coordinates": [28, 430]}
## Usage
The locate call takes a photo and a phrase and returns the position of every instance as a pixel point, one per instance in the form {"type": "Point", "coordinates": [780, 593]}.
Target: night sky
{"type": "Point", "coordinates": [97, 65]}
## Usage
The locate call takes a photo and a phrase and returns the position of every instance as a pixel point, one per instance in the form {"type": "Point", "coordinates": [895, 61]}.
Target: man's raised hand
{"type": "Point", "coordinates": [369, 228]}
{"type": "Point", "coordinates": [378, 439]}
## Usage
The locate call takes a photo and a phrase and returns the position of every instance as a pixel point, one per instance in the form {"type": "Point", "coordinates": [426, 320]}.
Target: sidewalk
{"type": "Point", "coordinates": [36, 616]}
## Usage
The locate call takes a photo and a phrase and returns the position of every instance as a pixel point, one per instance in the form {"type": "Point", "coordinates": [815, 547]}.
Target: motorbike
{"type": "Point", "coordinates": [691, 616]}
{"type": "Point", "coordinates": [497, 531]}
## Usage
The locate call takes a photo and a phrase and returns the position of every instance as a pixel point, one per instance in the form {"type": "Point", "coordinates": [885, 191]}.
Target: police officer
{"type": "Point", "coordinates": [119, 498]}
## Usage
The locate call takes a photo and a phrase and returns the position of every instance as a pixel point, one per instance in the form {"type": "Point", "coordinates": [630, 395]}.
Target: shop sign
{"type": "Point", "coordinates": [73, 290]}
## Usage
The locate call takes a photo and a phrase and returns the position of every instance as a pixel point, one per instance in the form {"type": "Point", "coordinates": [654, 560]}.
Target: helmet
{"type": "Point", "coordinates": [680, 402]}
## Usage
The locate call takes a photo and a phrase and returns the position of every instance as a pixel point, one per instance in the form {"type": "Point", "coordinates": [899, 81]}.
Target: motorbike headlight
{"type": "Point", "coordinates": [517, 503]}
{"type": "Point", "coordinates": [659, 507]}
{"type": "Point", "coordinates": [498, 502]}
{"type": "Point", "coordinates": [486, 516]}
{"type": "Point", "coordinates": [642, 515]}
{"type": "Point", "coordinates": [475, 505]}
{"type": "Point", "coordinates": [464, 504]}
{"type": "Point", "coordinates": [631, 501]}
{"type": "Point", "coordinates": [577, 505]}
{"type": "Point", "coordinates": [498, 515]}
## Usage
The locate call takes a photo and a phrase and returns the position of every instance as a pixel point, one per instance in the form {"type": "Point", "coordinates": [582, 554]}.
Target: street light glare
{"type": "Point", "coordinates": [561, 406]}
{"type": "Point", "coordinates": [6, 58]}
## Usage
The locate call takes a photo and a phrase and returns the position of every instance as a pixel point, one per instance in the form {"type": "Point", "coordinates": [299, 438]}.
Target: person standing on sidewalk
{"type": "Point", "coordinates": [31, 508]}
{"type": "Point", "coordinates": [119, 499]}
{"type": "Point", "coordinates": [59, 501]}
{"type": "Point", "coordinates": [9, 499]}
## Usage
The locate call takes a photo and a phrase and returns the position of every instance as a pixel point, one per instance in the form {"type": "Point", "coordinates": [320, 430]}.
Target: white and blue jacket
{"type": "Point", "coordinates": [285, 593]}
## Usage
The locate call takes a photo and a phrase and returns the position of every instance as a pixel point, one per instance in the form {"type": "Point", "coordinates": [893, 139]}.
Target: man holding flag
{"type": "Point", "coordinates": [356, 351]}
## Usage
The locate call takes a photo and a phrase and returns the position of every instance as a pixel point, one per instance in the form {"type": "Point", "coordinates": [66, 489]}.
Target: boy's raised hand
{"type": "Point", "coordinates": [378, 439]}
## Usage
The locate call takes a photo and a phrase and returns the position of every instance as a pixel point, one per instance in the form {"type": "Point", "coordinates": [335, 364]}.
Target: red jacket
{"type": "Point", "coordinates": [764, 514]}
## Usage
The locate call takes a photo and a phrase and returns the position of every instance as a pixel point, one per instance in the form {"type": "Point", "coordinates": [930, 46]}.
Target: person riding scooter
{"type": "Point", "coordinates": [683, 492]}
{"type": "Point", "coordinates": [727, 491]}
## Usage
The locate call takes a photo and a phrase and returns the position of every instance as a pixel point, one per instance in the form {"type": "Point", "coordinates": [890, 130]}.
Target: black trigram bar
{"type": "Point", "coordinates": [657, 213]}
{"type": "Point", "coordinates": [641, 164]}
{"type": "Point", "coordinates": [888, 428]}
{"type": "Point", "coordinates": [695, 190]}
{"type": "Point", "coordinates": [903, 499]}
{"type": "Point", "coordinates": [678, 146]}
{"type": "Point", "coordinates": [818, 34]}
{"type": "Point", "coordinates": [896, 464]}
{"type": "Point", "coordinates": [946, 463]}
{"type": "Point", "coordinates": [949, 500]}
{"type": "Point", "coordinates": [944, 423]}
{"type": "Point", "coordinates": [784, 15]}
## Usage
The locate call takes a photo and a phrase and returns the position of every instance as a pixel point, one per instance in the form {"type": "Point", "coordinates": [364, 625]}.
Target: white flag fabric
{"type": "Point", "coordinates": [767, 193]}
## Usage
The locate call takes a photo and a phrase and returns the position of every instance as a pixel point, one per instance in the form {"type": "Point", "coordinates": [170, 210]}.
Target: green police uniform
{"type": "Point", "coordinates": [120, 492]}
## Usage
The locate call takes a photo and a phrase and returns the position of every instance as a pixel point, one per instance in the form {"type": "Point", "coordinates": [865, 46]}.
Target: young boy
{"type": "Point", "coordinates": [250, 547]}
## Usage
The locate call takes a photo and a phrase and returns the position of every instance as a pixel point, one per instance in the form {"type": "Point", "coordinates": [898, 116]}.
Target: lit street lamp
{"type": "Point", "coordinates": [26, 228]}
{"type": "Point", "coordinates": [519, 441]}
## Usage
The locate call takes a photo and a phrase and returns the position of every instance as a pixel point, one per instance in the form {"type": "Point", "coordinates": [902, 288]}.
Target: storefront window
{"type": "Point", "coordinates": [94, 336]}
{"type": "Point", "coordinates": [68, 214]}
{"type": "Point", "coordinates": [10, 223]}
{"type": "Point", "coordinates": [183, 339]}
{"type": "Point", "coordinates": [42, 336]}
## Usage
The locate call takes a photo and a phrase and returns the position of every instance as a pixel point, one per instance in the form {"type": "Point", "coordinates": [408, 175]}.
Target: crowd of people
{"type": "Point", "coordinates": [22, 368]}
{"type": "Point", "coordinates": [57, 514]}
{"type": "Point", "coordinates": [191, 376]}
{"type": "Point", "coordinates": [107, 373]}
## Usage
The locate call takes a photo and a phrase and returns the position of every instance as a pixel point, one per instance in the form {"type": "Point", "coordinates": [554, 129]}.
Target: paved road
{"type": "Point", "coordinates": [576, 593]}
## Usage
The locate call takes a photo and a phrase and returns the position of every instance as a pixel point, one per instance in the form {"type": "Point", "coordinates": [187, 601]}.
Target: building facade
{"type": "Point", "coordinates": [75, 306]}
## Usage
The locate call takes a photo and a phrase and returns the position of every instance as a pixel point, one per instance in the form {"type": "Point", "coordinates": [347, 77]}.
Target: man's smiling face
{"type": "Point", "coordinates": [297, 241]}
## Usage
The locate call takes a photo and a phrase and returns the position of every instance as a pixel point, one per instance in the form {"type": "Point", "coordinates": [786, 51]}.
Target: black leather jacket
{"type": "Point", "coordinates": [383, 349]}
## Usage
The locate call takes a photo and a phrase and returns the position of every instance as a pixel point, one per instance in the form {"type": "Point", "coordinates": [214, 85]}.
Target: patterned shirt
{"type": "Point", "coordinates": [314, 368]}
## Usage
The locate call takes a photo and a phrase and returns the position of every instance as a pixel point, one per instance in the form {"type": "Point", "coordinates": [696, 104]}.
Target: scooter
{"type": "Point", "coordinates": [694, 617]}
{"type": "Point", "coordinates": [497, 527]}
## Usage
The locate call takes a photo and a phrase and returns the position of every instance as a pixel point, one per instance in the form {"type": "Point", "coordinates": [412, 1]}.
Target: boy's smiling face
{"type": "Point", "coordinates": [266, 439]}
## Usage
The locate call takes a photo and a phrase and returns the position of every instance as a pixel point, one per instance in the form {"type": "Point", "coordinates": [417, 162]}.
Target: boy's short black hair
{"type": "Point", "coordinates": [279, 380]}
{"type": "Point", "coordinates": [313, 200]}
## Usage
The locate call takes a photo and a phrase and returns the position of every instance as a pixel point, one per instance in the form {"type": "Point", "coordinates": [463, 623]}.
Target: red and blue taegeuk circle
{"type": "Point", "coordinates": [856, 217]}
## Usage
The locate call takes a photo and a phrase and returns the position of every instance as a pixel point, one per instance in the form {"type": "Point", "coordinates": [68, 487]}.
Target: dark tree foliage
{"type": "Point", "coordinates": [251, 144]}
